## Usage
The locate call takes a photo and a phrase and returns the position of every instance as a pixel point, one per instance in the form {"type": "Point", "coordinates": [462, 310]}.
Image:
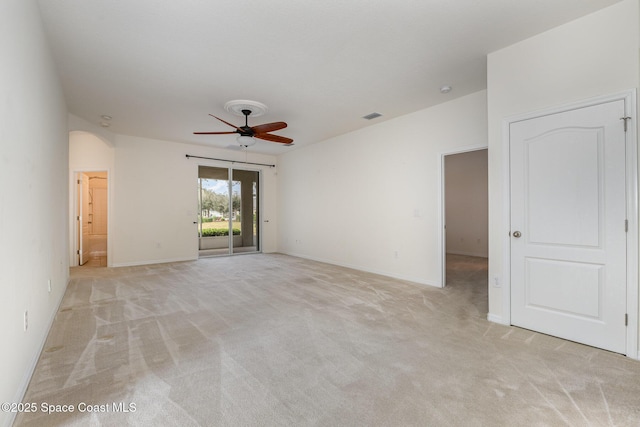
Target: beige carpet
{"type": "Point", "coordinates": [280, 341]}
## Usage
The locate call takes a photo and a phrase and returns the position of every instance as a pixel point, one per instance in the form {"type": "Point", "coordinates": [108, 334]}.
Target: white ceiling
{"type": "Point", "coordinates": [159, 67]}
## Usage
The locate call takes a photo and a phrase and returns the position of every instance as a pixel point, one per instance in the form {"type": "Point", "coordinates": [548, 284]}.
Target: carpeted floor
{"type": "Point", "coordinates": [274, 340]}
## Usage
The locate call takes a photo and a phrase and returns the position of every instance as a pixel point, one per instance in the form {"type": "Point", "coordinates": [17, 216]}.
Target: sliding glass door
{"type": "Point", "coordinates": [228, 211]}
{"type": "Point", "coordinates": [245, 202]}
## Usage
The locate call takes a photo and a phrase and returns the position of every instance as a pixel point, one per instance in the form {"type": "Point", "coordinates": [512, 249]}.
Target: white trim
{"type": "Point", "coordinates": [73, 229]}
{"type": "Point", "coordinates": [496, 319]}
{"type": "Point", "coordinates": [73, 212]}
{"type": "Point", "coordinates": [589, 102]}
{"type": "Point", "coordinates": [629, 98]}
{"type": "Point", "coordinates": [632, 217]}
{"type": "Point", "coordinates": [441, 218]}
{"type": "Point", "coordinates": [441, 215]}
{"type": "Point", "coordinates": [153, 261]}
{"type": "Point", "coordinates": [260, 219]}
{"type": "Point", "coordinates": [505, 280]}
{"type": "Point", "coordinates": [26, 378]}
{"type": "Point", "coordinates": [412, 279]}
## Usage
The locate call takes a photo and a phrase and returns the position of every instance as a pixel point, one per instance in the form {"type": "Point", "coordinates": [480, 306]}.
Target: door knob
{"type": "Point", "coordinates": [517, 234]}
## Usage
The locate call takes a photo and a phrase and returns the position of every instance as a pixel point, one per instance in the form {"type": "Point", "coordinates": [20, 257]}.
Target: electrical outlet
{"type": "Point", "coordinates": [396, 254]}
{"type": "Point", "coordinates": [496, 282]}
{"type": "Point", "coordinates": [26, 320]}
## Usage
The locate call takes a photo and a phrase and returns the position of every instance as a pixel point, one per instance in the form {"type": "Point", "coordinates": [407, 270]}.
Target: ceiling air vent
{"type": "Point", "coordinates": [372, 116]}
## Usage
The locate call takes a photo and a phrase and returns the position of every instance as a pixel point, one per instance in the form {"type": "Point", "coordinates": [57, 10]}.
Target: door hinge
{"type": "Point", "coordinates": [78, 252]}
{"type": "Point", "coordinates": [626, 319]}
{"type": "Point", "coordinates": [626, 119]}
{"type": "Point", "coordinates": [620, 119]}
{"type": "Point", "coordinates": [626, 225]}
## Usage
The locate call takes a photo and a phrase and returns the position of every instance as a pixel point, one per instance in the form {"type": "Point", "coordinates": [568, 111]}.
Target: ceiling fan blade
{"type": "Point", "coordinates": [273, 138]}
{"type": "Point", "coordinates": [233, 126]}
{"type": "Point", "coordinates": [214, 133]}
{"type": "Point", "coordinates": [268, 127]}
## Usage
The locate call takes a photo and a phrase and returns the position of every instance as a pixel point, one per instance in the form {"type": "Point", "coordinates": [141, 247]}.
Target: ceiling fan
{"type": "Point", "coordinates": [248, 133]}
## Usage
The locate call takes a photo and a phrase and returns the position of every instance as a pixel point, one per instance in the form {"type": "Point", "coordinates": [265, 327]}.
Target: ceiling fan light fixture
{"type": "Point", "coordinates": [245, 141]}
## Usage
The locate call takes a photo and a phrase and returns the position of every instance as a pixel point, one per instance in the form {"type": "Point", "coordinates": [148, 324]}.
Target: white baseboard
{"type": "Point", "coordinates": [496, 319]}
{"type": "Point", "coordinates": [26, 378]}
{"type": "Point", "coordinates": [418, 281]}
{"type": "Point", "coordinates": [152, 261]}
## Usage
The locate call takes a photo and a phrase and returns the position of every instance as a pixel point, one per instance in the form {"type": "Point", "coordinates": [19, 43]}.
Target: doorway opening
{"type": "Point", "coordinates": [92, 218]}
{"type": "Point", "coordinates": [228, 211]}
{"type": "Point", "coordinates": [465, 217]}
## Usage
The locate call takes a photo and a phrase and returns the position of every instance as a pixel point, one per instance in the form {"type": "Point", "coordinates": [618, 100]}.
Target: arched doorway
{"type": "Point", "coordinates": [90, 164]}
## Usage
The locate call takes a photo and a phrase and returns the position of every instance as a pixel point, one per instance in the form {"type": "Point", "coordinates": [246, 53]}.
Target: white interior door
{"type": "Point", "coordinates": [84, 247]}
{"type": "Point", "coordinates": [568, 234]}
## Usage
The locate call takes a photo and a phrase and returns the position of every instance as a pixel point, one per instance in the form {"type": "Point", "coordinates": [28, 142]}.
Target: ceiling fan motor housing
{"type": "Point", "coordinates": [246, 130]}
{"type": "Point", "coordinates": [247, 133]}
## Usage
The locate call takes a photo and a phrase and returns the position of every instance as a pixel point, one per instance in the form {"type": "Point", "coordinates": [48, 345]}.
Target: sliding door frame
{"type": "Point", "coordinates": [230, 169]}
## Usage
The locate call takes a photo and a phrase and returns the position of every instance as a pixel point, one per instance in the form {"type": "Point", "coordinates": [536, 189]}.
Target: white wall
{"type": "Point", "coordinates": [594, 55]}
{"type": "Point", "coordinates": [358, 199]}
{"type": "Point", "coordinates": [77, 124]}
{"type": "Point", "coordinates": [154, 199]}
{"type": "Point", "coordinates": [33, 195]}
{"type": "Point", "coordinates": [467, 203]}
{"type": "Point", "coordinates": [153, 195]}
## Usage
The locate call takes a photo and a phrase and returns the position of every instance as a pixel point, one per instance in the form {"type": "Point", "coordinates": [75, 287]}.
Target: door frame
{"type": "Point", "coordinates": [73, 228]}
{"type": "Point", "coordinates": [442, 233]}
{"type": "Point", "coordinates": [230, 168]}
{"type": "Point", "coordinates": [629, 98]}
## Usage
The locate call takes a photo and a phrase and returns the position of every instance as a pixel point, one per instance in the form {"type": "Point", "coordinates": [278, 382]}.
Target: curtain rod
{"type": "Point", "coordinates": [230, 161]}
